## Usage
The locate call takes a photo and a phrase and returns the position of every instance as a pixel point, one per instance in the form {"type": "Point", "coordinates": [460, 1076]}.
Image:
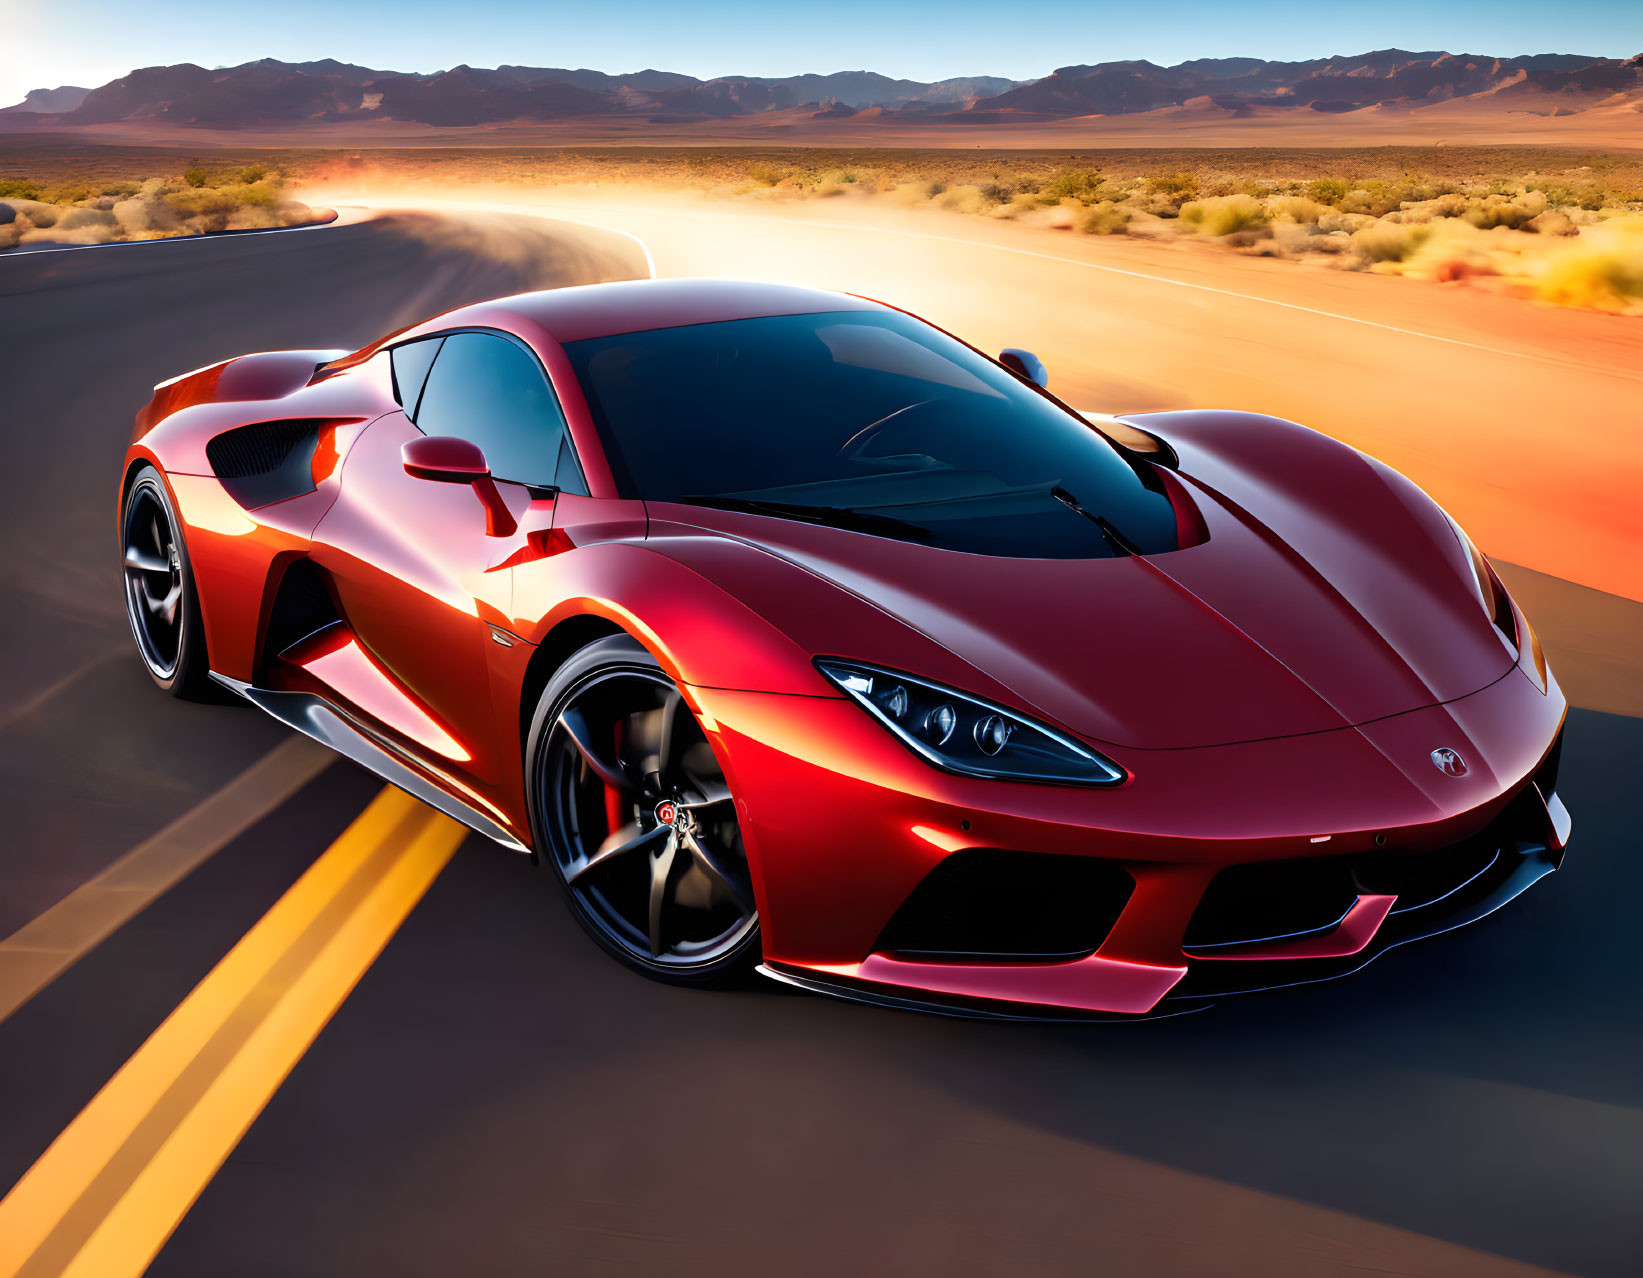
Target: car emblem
{"type": "Point", "coordinates": [1448, 762]}
{"type": "Point", "coordinates": [667, 812]}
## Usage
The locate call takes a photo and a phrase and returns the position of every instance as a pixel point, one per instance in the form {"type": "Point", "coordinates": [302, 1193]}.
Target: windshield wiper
{"type": "Point", "coordinates": [1115, 539]}
{"type": "Point", "coordinates": [844, 517]}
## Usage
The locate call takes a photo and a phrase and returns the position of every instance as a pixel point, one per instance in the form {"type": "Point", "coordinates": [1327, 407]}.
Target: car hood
{"type": "Point", "coordinates": [1290, 624]}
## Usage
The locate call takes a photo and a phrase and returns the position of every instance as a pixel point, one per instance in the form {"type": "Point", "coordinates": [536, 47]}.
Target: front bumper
{"type": "Point", "coordinates": [843, 825]}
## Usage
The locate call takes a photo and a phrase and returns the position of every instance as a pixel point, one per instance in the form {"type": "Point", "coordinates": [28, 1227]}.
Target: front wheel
{"type": "Point", "coordinates": [631, 812]}
{"type": "Point", "coordinates": [161, 602]}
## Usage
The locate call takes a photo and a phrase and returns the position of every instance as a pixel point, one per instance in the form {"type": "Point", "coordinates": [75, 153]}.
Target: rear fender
{"type": "Point", "coordinates": [265, 375]}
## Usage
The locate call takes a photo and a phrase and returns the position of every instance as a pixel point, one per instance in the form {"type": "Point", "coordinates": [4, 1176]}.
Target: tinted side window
{"type": "Point", "coordinates": [570, 473]}
{"type": "Point", "coordinates": [411, 364]}
{"type": "Point", "coordinates": [492, 392]}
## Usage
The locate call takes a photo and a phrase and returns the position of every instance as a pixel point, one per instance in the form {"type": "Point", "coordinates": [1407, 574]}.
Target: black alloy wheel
{"type": "Point", "coordinates": [630, 808]}
{"type": "Point", "coordinates": [159, 589]}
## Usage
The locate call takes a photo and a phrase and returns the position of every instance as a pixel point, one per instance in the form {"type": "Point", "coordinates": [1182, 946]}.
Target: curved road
{"type": "Point", "coordinates": [496, 1098]}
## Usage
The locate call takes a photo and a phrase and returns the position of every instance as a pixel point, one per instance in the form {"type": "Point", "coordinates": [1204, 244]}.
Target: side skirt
{"type": "Point", "coordinates": [317, 718]}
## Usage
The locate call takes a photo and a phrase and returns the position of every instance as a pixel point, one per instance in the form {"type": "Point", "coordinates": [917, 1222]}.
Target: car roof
{"type": "Point", "coordinates": [604, 310]}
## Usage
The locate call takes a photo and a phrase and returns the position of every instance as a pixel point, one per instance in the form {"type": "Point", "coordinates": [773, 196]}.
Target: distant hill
{"type": "Point", "coordinates": [268, 92]}
{"type": "Point", "coordinates": [51, 101]}
{"type": "Point", "coordinates": [1324, 84]}
{"type": "Point", "coordinates": [292, 97]}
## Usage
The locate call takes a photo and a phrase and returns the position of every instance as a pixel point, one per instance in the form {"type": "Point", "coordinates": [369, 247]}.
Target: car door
{"type": "Point", "coordinates": [422, 582]}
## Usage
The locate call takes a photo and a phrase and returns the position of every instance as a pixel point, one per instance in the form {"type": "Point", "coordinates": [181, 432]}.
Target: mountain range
{"type": "Point", "coordinates": [285, 95]}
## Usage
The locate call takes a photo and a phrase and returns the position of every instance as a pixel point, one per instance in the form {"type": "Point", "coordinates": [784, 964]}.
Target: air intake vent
{"type": "Point", "coordinates": [986, 905]}
{"type": "Point", "coordinates": [266, 462]}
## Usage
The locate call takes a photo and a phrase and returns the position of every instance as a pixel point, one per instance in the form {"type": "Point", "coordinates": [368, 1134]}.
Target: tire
{"type": "Point", "coordinates": [157, 572]}
{"type": "Point", "coordinates": [631, 814]}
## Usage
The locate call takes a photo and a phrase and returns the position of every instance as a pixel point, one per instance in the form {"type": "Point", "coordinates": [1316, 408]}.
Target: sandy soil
{"type": "Point", "coordinates": [1457, 123]}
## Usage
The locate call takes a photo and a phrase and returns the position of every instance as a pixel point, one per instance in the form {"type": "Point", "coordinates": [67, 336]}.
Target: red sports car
{"type": "Point", "coordinates": [787, 629]}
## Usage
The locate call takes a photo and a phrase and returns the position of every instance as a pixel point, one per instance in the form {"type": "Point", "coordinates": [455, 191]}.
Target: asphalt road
{"type": "Point", "coordinates": [494, 1097]}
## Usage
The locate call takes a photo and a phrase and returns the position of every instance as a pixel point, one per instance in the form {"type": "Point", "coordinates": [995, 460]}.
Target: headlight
{"type": "Point", "coordinates": [964, 734]}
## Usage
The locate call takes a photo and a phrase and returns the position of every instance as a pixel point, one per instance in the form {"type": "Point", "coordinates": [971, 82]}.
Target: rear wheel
{"type": "Point", "coordinates": [631, 812]}
{"type": "Point", "coordinates": [161, 602]}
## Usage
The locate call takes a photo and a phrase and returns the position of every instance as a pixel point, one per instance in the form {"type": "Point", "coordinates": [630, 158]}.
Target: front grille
{"type": "Point", "coordinates": [1268, 899]}
{"type": "Point", "coordinates": [993, 906]}
{"type": "Point", "coordinates": [1290, 900]}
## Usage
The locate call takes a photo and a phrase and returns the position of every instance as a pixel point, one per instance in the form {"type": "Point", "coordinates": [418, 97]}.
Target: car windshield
{"type": "Point", "coordinates": [868, 420]}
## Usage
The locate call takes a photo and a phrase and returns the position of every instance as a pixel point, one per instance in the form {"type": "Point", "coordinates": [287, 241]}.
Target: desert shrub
{"type": "Point", "coordinates": [260, 195]}
{"type": "Point", "coordinates": [79, 219]}
{"type": "Point", "coordinates": [1327, 190]}
{"type": "Point", "coordinates": [1335, 220]}
{"type": "Point", "coordinates": [251, 173]}
{"type": "Point", "coordinates": [1388, 241]}
{"type": "Point", "coordinates": [1019, 204]}
{"type": "Point", "coordinates": [19, 188]}
{"type": "Point", "coordinates": [1552, 222]}
{"type": "Point", "coordinates": [962, 199]}
{"type": "Point", "coordinates": [916, 192]}
{"type": "Point", "coordinates": [1074, 184]}
{"type": "Point", "coordinates": [1499, 210]}
{"type": "Point", "coordinates": [195, 176]}
{"type": "Point", "coordinates": [1297, 208]}
{"type": "Point", "coordinates": [1375, 198]}
{"type": "Point", "coordinates": [1413, 189]}
{"type": "Point", "coordinates": [65, 194]}
{"type": "Point", "coordinates": [1602, 269]}
{"type": "Point", "coordinates": [203, 202]}
{"type": "Point", "coordinates": [1444, 206]}
{"type": "Point", "coordinates": [1223, 214]}
{"type": "Point", "coordinates": [1583, 195]}
{"type": "Point", "coordinates": [1104, 218]}
{"type": "Point", "coordinates": [1175, 186]}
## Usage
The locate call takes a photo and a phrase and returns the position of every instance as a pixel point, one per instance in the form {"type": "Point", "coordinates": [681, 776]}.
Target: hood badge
{"type": "Point", "coordinates": [1448, 762]}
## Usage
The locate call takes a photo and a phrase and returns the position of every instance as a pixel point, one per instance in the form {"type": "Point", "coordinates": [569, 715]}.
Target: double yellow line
{"type": "Point", "coordinates": [101, 1202]}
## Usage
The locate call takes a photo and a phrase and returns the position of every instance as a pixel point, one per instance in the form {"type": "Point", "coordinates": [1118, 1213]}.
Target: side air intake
{"type": "Point", "coordinates": [266, 462]}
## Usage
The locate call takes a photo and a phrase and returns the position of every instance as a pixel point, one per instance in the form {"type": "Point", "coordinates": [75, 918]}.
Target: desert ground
{"type": "Point", "coordinates": [1460, 123]}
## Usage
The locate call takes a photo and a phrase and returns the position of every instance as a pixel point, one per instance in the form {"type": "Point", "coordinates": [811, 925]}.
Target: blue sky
{"type": "Point", "coordinates": [91, 41]}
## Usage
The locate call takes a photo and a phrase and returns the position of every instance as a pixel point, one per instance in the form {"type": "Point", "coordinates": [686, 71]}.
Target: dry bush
{"type": "Point", "coordinates": [1510, 211]}
{"type": "Point", "coordinates": [1602, 270]}
{"type": "Point", "coordinates": [1388, 241]}
{"type": "Point", "coordinates": [1327, 190]}
{"type": "Point", "coordinates": [963, 199]}
{"type": "Point", "coordinates": [1295, 208]}
{"type": "Point", "coordinates": [1074, 184]}
{"type": "Point", "coordinates": [1105, 218]}
{"type": "Point", "coordinates": [1176, 188]}
{"type": "Point", "coordinates": [1223, 214]}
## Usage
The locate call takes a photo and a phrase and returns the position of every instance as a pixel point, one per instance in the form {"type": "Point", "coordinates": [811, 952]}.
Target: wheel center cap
{"type": "Point", "coordinates": [668, 812]}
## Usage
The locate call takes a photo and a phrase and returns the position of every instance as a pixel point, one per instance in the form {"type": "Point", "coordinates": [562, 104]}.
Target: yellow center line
{"type": "Point", "coordinates": [46, 946]}
{"type": "Point", "coordinates": [110, 1190]}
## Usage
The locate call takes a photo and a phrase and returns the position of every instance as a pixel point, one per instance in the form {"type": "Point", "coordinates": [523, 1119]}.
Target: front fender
{"type": "Point", "coordinates": [701, 633]}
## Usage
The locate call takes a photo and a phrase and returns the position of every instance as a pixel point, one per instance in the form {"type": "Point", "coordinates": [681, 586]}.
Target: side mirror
{"type": "Point", "coordinates": [1025, 365]}
{"type": "Point", "coordinates": [449, 460]}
